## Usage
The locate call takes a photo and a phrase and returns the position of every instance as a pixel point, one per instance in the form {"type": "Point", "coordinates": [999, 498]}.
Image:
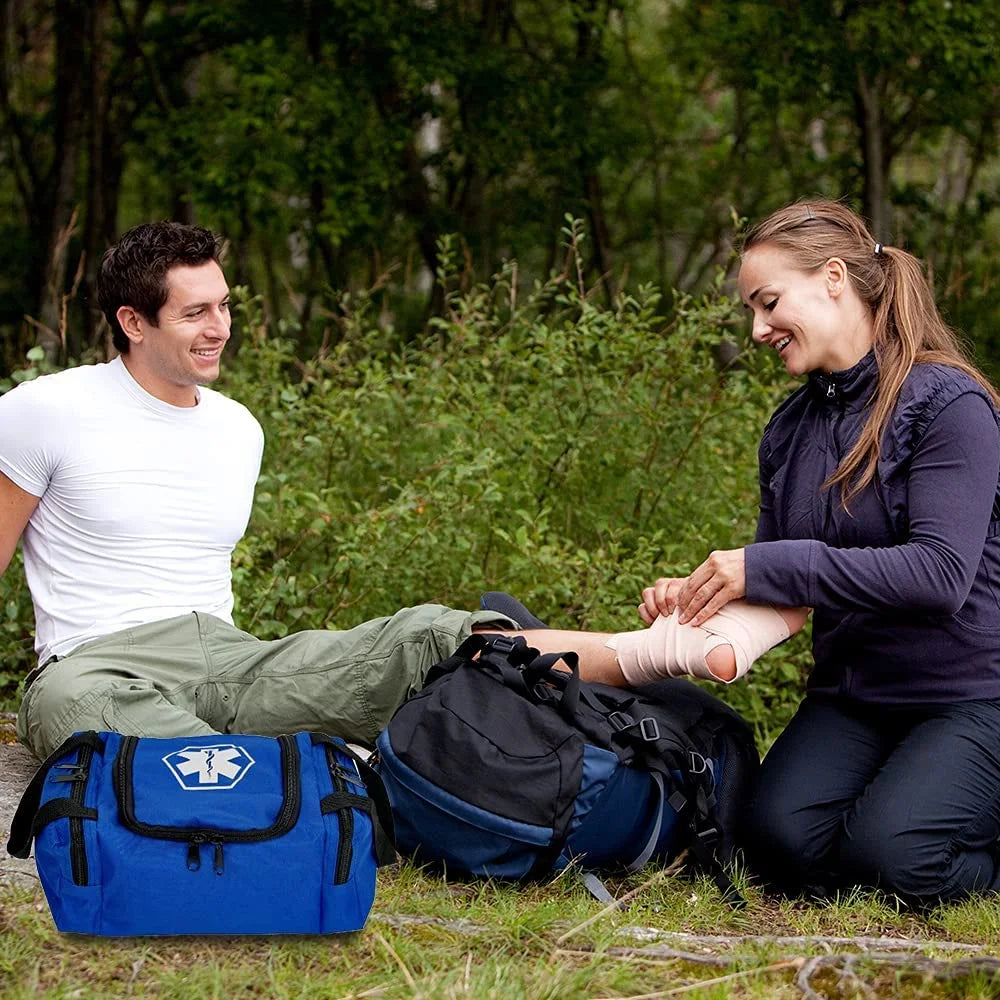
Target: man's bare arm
{"type": "Point", "coordinates": [16, 507]}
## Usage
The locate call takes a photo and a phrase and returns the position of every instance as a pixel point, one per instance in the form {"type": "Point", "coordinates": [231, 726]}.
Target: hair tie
{"type": "Point", "coordinates": [878, 249]}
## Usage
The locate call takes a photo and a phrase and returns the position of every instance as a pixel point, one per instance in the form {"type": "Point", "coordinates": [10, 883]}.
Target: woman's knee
{"type": "Point", "coordinates": [783, 843]}
{"type": "Point", "coordinates": [919, 868]}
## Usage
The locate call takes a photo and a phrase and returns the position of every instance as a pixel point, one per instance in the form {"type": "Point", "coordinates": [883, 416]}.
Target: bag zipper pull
{"type": "Point", "coordinates": [194, 856]}
{"type": "Point", "coordinates": [217, 859]}
{"type": "Point", "coordinates": [345, 775]}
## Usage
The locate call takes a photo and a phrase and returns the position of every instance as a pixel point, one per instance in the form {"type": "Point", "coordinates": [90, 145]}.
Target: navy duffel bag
{"type": "Point", "coordinates": [205, 834]}
{"type": "Point", "coordinates": [503, 766]}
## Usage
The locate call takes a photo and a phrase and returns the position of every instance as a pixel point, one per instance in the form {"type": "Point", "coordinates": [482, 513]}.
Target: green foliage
{"type": "Point", "coordinates": [538, 442]}
{"type": "Point", "coordinates": [334, 142]}
{"type": "Point", "coordinates": [37, 365]}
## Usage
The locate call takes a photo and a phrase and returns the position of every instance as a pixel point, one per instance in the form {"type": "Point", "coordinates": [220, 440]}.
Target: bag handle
{"type": "Point", "coordinates": [24, 826]}
{"type": "Point", "coordinates": [523, 669]}
{"type": "Point", "coordinates": [377, 805]}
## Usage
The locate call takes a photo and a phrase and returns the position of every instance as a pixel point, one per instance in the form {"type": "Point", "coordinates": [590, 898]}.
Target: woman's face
{"type": "Point", "coordinates": [800, 313]}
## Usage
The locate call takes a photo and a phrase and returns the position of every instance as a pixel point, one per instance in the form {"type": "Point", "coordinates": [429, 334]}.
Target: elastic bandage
{"type": "Point", "coordinates": [669, 649]}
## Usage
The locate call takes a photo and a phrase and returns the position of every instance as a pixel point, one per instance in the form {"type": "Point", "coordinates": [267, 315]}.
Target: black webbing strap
{"type": "Point", "coordinates": [24, 827]}
{"type": "Point", "coordinates": [532, 674]}
{"type": "Point", "coordinates": [376, 805]}
{"type": "Point", "coordinates": [667, 750]}
{"type": "Point", "coordinates": [59, 809]}
{"type": "Point", "coordinates": [337, 800]}
{"type": "Point", "coordinates": [544, 667]}
{"type": "Point", "coordinates": [702, 848]}
{"type": "Point", "coordinates": [464, 655]}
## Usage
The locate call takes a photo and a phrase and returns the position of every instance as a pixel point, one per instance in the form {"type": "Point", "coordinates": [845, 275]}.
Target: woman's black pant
{"type": "Point", "coordinates": [905, 799]}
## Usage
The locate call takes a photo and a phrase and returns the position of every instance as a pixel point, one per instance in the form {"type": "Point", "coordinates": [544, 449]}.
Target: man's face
{"type": "Point", "coordinates": [182, 349]}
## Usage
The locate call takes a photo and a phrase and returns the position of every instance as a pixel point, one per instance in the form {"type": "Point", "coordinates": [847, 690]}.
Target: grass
{"type": "Point", "coordinates": [432, 938]}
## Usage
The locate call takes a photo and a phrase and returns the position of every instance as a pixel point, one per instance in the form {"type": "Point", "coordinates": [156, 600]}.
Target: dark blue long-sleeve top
{"type": "Point", "coordinates": [906, 583]}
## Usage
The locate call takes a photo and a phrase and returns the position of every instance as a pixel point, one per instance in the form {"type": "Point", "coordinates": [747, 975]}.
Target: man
{"type": "Point", "coordinates": [131, 482]}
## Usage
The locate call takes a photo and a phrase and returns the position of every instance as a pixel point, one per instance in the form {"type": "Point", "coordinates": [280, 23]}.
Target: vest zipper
{"type": "Point", "coordinates": [828, 526]}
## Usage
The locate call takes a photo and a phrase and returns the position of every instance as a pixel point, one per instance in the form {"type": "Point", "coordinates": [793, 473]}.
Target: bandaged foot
{"type": "Point", "coordinates": [669, 649]}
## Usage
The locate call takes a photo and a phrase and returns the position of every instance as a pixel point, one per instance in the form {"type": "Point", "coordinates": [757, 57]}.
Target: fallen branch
{"type": "Point", "coordinates": [703, 983]}
{"type": "Point", "coordinates": [17, 873]}
{"type": "Point", "coordinates": [848, 966]}
{"type": "Point", "coordinates": [401, 920]}
{"type": "Point", "coordinates": [864, 943]}
{"type": "Point", "coordinates": [656, 956]}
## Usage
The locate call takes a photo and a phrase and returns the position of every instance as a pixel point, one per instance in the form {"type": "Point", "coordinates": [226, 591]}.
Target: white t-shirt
{"type": "Point", "coordinates": [141, 502]}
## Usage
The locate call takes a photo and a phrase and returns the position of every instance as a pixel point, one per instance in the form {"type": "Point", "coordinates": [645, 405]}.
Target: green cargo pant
{"type": "Point", "coordinates": [196, 675]}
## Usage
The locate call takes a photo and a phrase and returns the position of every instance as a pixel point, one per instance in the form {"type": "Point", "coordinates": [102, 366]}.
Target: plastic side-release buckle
{"type": "Point", "coordinates": [505, 644]}
{"type": "Point", "coordinates": [543, 692]}
{"type": "Point", "coordinates": [710, 836]}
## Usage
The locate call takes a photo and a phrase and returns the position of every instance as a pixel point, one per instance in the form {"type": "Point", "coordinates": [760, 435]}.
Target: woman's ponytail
{"type": "Point", "coordinates": [908, 327]}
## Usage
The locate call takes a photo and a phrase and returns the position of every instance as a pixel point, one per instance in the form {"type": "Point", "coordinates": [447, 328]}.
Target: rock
{"type": "Point", "coordinates": [17, 765]}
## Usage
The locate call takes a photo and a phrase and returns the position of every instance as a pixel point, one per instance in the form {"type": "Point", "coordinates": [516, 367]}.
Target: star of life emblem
{"type": "Point", "coordinates": [209, 768]}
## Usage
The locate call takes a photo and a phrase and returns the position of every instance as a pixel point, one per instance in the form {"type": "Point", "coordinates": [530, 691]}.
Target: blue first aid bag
{"type": "Point", "coordinates": [205, 834]}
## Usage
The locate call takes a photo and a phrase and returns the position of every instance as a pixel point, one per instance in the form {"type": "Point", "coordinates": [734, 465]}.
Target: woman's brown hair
{"type": "Point", "coordinates": [908, 328]}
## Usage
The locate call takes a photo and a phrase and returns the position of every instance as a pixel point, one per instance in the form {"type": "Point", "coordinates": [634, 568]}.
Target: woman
{"type": "Point", "coordinates": [879, 509]}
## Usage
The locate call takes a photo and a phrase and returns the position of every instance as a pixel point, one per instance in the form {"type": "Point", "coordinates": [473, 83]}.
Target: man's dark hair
{"type": "Point", "coordinates": [134, 271]}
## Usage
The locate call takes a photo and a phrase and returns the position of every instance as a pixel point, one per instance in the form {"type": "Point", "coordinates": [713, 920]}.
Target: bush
{"type": "Point", "coordinates": [542, 443]}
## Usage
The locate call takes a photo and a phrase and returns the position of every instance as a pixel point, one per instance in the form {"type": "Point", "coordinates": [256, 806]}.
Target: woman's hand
{"type": "Point", "coordinates": [661, 598]}
{"type": "Point", "coordinates": [721, 578]}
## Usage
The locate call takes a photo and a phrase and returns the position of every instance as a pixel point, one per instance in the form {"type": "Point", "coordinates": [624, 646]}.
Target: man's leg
{"type": "Point", "coordinates": [196, 675]}
{"type": "Point", "coordinates": [144, 681]}
{"type": "Point", "coordinates": [350, 682]}
{"type": "Point", "coordinates": [723, 649]}
{"type": "Point", "coordinates": [346, 683]}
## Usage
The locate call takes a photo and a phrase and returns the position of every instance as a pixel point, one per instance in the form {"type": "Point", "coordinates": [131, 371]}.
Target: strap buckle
{"type": "Point", "coordinates": [649, 729]}
{"type": "Point", "coordinates": [620, 721]}
{"type": "Point", "coordinates": [709, 836]}
{"type": "Point", "coordinates": [543, 692]}
{"type": "Point", "coordinates": [503, 644]}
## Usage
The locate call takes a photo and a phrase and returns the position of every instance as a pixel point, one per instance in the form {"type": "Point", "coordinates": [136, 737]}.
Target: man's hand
{"type": "Point", "coordinates": [661, 598]}
{"type": "Point", "coordinates": [721, 578]}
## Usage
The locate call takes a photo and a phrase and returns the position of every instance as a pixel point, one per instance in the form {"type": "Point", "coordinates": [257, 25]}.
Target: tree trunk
{"type": "Point", "coordinates": [588, 53]}
{"type": "Point", "coordinates": [72, 31]}
{"type": "Point", "coordinates": [599, 230]}
{"type": "Point", "coordinates": [875, 156]}
{"type": "Point", "coordinates": [99, 157]}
